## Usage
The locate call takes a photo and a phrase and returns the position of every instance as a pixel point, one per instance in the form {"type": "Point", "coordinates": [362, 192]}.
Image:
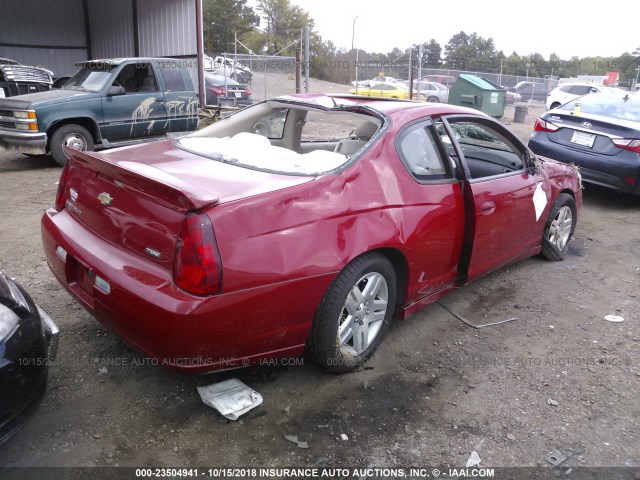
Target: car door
{"type": "Point", "coordinates": [505, 224]}
{"type": "Point", "coordinates": [181, 102]}
{"type": "Point", "coordinates": [433, 208]}
{"type": "Point", "coordinates": [140, 111]}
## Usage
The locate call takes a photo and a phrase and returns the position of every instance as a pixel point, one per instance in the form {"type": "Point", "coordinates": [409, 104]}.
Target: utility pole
{"type": "Point", "coordinates": [419, 71]}
{"type": "Point", "coordinates": [306, 59]}
{"type": "Point", "coordinates": [353, 36]}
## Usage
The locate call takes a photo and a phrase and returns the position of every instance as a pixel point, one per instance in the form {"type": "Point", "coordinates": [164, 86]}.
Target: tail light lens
{"type": "Point", "coordinates": [197, 268]}
{"type": "Point", "coordinates": [627, 144]}
{"type": "Point", "coordinates": [247, 92]}
{"type": "Point", "coordinates": [61, 196]}
{"type": "Point", "coordinates": [544, 126]}
{"type": "Point", "coordinates": [218, 91]}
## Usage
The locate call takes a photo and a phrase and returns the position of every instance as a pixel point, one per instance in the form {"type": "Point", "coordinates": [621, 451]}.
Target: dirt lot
{"type": "Point", "coordinates": [560, 377]}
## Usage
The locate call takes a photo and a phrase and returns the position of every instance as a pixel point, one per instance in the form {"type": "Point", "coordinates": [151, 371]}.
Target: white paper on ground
{"type": "Point", "coordinates": [474, 460]}
{"type": "Point", "coordinates": [231, 398]}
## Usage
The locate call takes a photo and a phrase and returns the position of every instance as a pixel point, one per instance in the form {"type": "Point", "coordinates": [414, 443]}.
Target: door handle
{"type": "Point", "coordinates": [487, 208]}
{"type": "Point", "coordinates": [160, 100]}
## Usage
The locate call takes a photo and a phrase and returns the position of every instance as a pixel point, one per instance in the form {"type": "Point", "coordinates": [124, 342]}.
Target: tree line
{"type": "Point", "coordinates": [276, 26]}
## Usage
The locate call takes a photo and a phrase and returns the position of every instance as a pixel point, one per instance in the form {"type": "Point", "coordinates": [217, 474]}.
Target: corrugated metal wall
{"type": "Point", "coordinates": [28, 30]}
{"type": "Point", "coordinates": [111, 27]}
{"type": "Point", "coordinates": [166, 31]}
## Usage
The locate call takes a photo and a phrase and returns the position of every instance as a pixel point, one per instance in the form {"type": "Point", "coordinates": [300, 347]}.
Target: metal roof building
{"type": "Point", "coordinates": [57, 34]}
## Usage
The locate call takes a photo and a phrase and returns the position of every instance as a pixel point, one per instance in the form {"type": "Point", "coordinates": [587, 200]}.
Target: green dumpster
{"type": "Point", "coordinates": [479, 93]}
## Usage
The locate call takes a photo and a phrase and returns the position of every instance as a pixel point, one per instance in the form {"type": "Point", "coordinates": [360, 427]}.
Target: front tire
{"type": "Point", "coordinates": [559, 228]}
{"type": "Point", "coordinates": [73, 136]}
{"type": "Point", "coordinates": [354, 314]}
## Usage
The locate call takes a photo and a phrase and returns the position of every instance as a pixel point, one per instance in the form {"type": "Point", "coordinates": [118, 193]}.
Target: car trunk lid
{"type": "Point", "coordinates": [590, 133]}
{"type": "Point", "coordinates": [137, 198]}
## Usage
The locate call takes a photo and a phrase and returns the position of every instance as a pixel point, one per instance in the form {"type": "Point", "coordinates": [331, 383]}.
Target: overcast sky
{"type": "Point", "coordinates": [564, 27]}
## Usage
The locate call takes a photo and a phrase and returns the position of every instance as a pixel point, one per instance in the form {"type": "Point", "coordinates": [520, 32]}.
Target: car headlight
{"type": "Point", "coordinates": [25, 114]}
{"type": "Point", "coordinates": [8, 322]}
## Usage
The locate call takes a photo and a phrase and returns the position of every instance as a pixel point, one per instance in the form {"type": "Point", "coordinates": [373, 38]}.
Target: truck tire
{"type": "Point", "coordinates": [74, 136]}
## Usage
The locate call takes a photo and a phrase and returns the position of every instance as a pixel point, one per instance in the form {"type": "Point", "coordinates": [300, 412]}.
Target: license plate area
{"type": "Point", "coordinates": [238, 94]}
{"type": "Point", "coordinates": [80, 279]}
{"type": "Point", "coordinates": [584, 139]}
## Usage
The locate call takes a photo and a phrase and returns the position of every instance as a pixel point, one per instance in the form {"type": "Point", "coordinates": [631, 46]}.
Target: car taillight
{"type": "Point", "coordinates": [544, 126]}
{"type": "Point", "coordinates": [197, 268]}
{"type": "Point", "coordinates": [247, 92]}
{"type": "Point", "coordinates": [61, 196]}
{"type": "Point", "coordinates": [627, 144]}
{"type": "Point", "coordinates": [218, 91]}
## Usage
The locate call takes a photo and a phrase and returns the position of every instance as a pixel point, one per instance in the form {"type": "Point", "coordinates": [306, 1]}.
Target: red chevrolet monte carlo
{"type": "Point", "coordinates": [302, 223]}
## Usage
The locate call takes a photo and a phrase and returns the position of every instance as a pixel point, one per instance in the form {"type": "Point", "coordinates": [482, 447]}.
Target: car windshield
{"type": "Point", "coordinates": [91, 78]}
{"type": "Point", "coordinates": [623, 108]}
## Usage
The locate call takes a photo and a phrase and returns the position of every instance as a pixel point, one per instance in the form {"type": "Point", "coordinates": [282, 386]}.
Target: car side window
{"type": "Point", "coordinates": [486, 150]}
{"type": "Point", "coordinates": [172, 78]}
{"type": "Point", "coordinates": [137, 78]}
{"type": "Point", "coordinates": [272, 125]}
{"type": "Point", "coordinates": [421, 153]}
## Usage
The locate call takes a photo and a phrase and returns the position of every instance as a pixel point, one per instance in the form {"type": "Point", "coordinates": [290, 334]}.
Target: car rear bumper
{"type": "Point", "coordinates": [26, 142]}
{"type": "Point", "coordinates": [180, 331]}
{"type": "Point", "coordinates": [618, 173]}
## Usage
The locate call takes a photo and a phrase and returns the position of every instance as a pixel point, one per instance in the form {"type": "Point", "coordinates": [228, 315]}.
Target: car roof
{"type": "Point", "coordinates": [388, 107]}
{"type": "Point", "coordinates": [119, 61]}
{"type": "Point", "coordinates": [581, 84]}
{"type": "Point", "coordinates": [217, 78]}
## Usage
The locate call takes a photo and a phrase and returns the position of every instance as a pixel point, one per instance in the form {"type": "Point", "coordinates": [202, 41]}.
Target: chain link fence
{"type": "Point", "coordinates": [265, 75]}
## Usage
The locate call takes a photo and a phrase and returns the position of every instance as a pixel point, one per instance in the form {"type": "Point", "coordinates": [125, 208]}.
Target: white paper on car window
{"type": "Point", "coordinates": [539, 200]}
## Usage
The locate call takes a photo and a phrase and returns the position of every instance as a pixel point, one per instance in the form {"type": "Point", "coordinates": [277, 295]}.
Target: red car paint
{"type": "Point", "coordinates": [282, 239]}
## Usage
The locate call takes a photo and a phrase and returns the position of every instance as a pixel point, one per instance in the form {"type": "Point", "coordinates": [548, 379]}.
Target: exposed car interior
{"type": "Point", "coordinates": [486, 152]}
{"type": "Point", "coordinates": [287, 138]}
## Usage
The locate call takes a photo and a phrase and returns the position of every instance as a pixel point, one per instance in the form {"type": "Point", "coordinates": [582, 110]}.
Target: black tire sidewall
{"type": "Point", "coordinates": [549, 250]}
{"type": "Point", "coordinates": [57, 151]}
{"type": "Point", "coordinates": [324, 347]}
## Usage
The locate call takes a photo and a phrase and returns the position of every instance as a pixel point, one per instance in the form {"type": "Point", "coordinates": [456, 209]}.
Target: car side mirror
{"type": "Point", "coordinates": [533, 165]}
{"type": "Point", "coordinates": [114, 91]}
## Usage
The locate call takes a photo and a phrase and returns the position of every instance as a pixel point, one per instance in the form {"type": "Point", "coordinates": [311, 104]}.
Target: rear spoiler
{"type": "Point", "coordinates": [148, 181]}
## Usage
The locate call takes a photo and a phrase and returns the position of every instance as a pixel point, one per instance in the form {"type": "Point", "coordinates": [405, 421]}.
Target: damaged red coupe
{"type": "Point", "coordinates": [304, 223]}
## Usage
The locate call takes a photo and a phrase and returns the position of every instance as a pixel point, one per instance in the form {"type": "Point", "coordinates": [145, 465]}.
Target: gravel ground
{"type": "Point", "coordinates": [560, 377]}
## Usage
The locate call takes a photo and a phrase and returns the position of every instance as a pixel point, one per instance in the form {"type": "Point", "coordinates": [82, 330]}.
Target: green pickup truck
{"type": "Point", "coordinates": [107, 103]}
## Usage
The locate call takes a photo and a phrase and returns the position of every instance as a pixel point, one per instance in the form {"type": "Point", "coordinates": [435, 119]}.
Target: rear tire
{"type": "Point", "coordinates": [74, 136]}
{"type": "Point", "coordinates": [559, 228]}
{"type": "Point", "coordinates": [433, 99]}
{"type": "Point", "coordinates": [354, 314]}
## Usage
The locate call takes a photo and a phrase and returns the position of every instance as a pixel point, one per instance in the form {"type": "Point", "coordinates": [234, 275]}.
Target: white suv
{"type": "Point", "coordinates": [569, 91]}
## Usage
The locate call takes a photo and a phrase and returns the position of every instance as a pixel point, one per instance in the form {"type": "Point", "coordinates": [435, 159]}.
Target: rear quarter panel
{"type": "Point", "coordinates": [319, 227]}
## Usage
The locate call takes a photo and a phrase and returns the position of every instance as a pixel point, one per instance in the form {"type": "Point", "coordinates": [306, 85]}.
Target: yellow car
{"type": "Point", "coordinates": [385, 90]}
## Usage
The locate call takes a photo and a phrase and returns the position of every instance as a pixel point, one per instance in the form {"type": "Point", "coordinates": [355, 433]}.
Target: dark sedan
{"type": "Point", "coordinates": [220, 87]}
{"type": "Point", "coordinates": [530, 91]}
{"type": "Point", "coordinates": [28, 341]}
{"type": "Point", "coordinates": [601, 134]}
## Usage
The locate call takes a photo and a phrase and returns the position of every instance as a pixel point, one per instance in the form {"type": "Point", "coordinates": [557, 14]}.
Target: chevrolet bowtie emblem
{"type": "Point", "coordinates": [105, 198]}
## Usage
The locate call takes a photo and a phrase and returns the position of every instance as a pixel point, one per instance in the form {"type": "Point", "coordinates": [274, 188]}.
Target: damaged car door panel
{"type": "Point", "coordinates": [106, 103]}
